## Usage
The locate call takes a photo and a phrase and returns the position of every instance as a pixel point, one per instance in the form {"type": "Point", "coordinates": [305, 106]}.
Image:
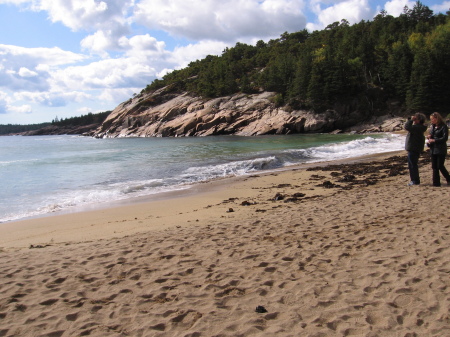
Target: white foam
{"type": "Point", "coordinates": [104, 192]}
{"type": "Point", "coordinates": [354, 148]}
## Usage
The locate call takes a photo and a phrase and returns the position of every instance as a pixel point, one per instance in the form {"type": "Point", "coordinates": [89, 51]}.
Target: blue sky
{"type": "Point", "coordinates": [65, 58]}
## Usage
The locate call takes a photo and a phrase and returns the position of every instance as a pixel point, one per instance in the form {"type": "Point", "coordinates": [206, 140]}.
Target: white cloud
{"type": "Point", "coordinates": [25, 72]}
{"type": "Point", "coordinates": [52, 99]}
{"type": "Point", "coordinates": [84, 110]}
{"type": "Point", "coordinates": [89, 15]}
{"type": "Point", "coordinates": [30, 68]}
{"type": "Point", "coordinates": [101, 42]}
{"type": "Point", "coordinates": [221, 20]}
{"type": "Point", "coordinates": [143, 61]}
{"type": "Point", "coordinates": [98, 43]}
{"type": "Point", "coordinates": [120, 95]}
{"type": "Point", "coordinates": [146, 43]}
{"type": "Point", "coordinates": [7, 107]}
{"type": "Point", "coordinates": [50, 56]}
{"type": "Point", "coordinates": [22, 109]}
{"type": "Point", "coordinates": [52, 78]}
{"type": "Point", "coordinates": [110, 73]}
{"type": "Point", "coordinates": [108, 20]}
{"type": "Point", "coordinates": [442, 8]}
{"type": "Point", "coordinates": [4, 98]}
{"type": "Point", "coordinates": [352, 10]}
{"type": "Point", "coordinates": [395, 7]}
{"type": "Point", "coordinates": [14, 2]}
{"type": "Point", "coordinates": [182, 56]}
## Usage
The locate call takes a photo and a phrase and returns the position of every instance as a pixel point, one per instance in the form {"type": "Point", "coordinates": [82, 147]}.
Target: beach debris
{"type": "Point", "coordinates": [260, 309]}
{"type": "Point", "coordinates": [328, 184]}
{"type": "Point", "coordinates": [278, 196]}
{"type": "Point", "coordinates": [283, 185]}
{"type": "Point", "coordinates": [38, 246]}
{"type": "Point", "coordinates": [21, 307]}
{"type": "Point", "coordinates": [396, 171]}
{"type": "Point", "coordinates": [315, 176]}
{"type": "Point", "coordinates": [369, 182]}
{"type": "Point", "coordinates": [347, 178]}
{"type": "Point", "coordinates": [247, 203]}
{"type": "Point", "coordinates": [230, 210]}
{"type": "Point", "coordinates": [295, 197]}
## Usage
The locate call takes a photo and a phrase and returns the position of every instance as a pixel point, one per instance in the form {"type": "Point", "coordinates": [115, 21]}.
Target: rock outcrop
{"type": "Point", "coordinates": [168, 114]}
{"type": "Point", "coordinates": [62, 130]}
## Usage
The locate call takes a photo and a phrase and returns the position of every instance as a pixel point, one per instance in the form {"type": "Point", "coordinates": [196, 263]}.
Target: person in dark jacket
{"type": "Point", "coordinates": [415, 142]}
{"type": "Point", "coordinates": [437, 141]}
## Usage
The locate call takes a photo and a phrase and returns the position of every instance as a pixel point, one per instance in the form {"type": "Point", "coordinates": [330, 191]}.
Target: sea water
{"type": "Point", "coordinates": [45, 174]}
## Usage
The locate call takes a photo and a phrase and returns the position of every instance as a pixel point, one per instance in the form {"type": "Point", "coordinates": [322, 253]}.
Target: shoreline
{"type": "Point", "coordinates": [100, 221]}
{"type": "Point", "coordinates": [192, 189]}
{"type": "Point", "coordinates": [46, 202]}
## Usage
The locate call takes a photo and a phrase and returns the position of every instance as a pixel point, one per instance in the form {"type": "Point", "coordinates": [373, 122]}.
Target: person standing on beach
{"type": "Point", "coordinates": [437, 141]}
{"type": "Point", "coordinates": [415, 142]}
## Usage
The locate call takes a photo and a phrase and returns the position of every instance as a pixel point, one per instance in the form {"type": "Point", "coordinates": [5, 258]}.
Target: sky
{"type": "Point", "coordinates": [66, 58]}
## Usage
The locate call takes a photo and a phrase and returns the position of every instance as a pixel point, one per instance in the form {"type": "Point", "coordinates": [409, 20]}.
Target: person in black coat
{"type": "Point", "coordinates": [437, 141]}
{"type": "Point", "coordinates": [415, 142]}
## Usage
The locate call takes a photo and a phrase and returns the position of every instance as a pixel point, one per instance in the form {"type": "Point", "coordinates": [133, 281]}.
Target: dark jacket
{"type": "Point", "coordinates": [440, 136]}
{"type": "Point", "coordinates": [415, 140]}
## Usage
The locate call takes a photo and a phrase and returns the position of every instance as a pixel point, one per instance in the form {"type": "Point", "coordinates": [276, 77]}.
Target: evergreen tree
{"type": "Point", "coordinates": [342, 63]}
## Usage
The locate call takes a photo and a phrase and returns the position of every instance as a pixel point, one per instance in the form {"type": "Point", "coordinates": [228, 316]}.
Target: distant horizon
{"type": "Point", "coordinates": [53, 120]}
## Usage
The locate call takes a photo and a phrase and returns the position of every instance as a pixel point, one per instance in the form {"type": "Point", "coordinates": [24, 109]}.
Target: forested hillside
{"type": "Point", "coordinates": [57, 124]}
{"type": "Point", "coordinates": [6, 129]}
{"type": "Point", "coordinates": [90, 118]}
{"type": "Point", "coordinates": [402, 61]}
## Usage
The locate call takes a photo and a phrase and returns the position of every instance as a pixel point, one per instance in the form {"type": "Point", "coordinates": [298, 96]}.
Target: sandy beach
{"type": "Point", "coordinates": [333, 250]}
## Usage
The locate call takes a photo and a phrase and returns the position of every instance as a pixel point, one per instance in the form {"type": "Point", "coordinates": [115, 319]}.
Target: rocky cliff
{"type": "Point", "coordinates": [167, 114]}
{"type": "Point", "coordinates": [62, 130]}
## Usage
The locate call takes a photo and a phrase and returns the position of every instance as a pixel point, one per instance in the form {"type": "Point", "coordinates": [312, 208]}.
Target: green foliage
{"type": "Point", "coordinates": [90, 118]}
{"type": "Point", "coordinates": [406, 58]}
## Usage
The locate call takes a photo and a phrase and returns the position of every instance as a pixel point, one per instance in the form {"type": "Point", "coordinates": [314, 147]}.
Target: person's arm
{"type": "Point", "coordinates": [442, 136]}
{"type": "Point", "coordinates": [408, 124]}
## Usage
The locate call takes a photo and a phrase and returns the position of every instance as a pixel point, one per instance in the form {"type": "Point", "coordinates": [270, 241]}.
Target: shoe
{"type": "Point", "coordinates": [412, 183]}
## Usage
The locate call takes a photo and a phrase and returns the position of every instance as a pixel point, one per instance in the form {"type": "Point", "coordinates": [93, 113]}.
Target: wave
{"type": "Point", "coordinates": [116, 190]}
{"type": "Point", "coordinates": [354, 148]}
{"type": "Point", "coordinates": [323, 153]}
{"type": "Point", "coordinates": [15, 162]}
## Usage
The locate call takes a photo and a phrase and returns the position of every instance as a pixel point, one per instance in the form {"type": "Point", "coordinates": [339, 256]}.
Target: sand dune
{"type": "Point", "coordinates": [345, 250]}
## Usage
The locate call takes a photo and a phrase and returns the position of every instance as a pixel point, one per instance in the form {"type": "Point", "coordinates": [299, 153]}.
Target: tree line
{"type": "Point", "coordinates": [88, 119]}
{"type": "Point", "coordinates": [402, 61]}
{"type": "Point", "coordinates": [6, 129]}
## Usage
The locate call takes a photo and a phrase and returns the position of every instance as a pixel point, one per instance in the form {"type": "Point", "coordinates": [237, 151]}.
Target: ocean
{"type": "Point", "coordinates": [46, 174]}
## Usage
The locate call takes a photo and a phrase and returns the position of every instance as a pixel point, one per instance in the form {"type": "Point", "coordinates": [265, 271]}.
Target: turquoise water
{"type": "Point", "coordinates": [44, 174]}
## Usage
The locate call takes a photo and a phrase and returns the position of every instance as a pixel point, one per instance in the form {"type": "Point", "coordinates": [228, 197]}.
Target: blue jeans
{"type": "Point", "coordinates": [413, 166]}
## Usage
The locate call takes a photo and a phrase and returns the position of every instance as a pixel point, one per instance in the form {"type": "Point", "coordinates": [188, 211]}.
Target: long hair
{"type": "Point", "coordinates": [439, 119]}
